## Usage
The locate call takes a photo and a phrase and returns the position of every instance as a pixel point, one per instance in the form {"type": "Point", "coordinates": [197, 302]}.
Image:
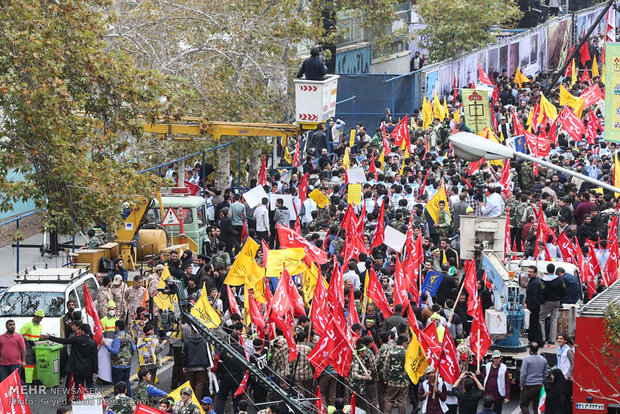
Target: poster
{"type": "Point", "coordinates": [482, 60]}
{"type": "Point", "coordinates": [542, 47]}
{"type": "Point", "coordinates": [431, 83]}
{"type": "Point", "coordinates": [394, 238]}
{"type": "Point", "coordinates": [558, 43]}
{"type": "Point", "coordinates": [354, 194]}
{"type": "Point", "coordinates": [612, 92]}
{"type": "Point", "coordinates": [319, 198]}
{"type": "Point", "coordinates": [457, 71]}
{"type": "Point", "coordinates": [471, 69]}
{"type": "Point", "coordinates": [445, 81]}
{"type": "Point", "coordinates": [105, 366]}
{"type": "Point", "coordinates": [534, 48]}
{"type": "Point", "coordinates": [493, 61]}
{"type": "Point", "coordinates": [514, 58]}
{"type": "Point", "coordinates": [476, 109]}
{"type": "Point", "coordinates": [254, 197]}
{"type": "Point", "coordinates": [503, 58]}
{"type": "Point", "coordinates": [525, 49]}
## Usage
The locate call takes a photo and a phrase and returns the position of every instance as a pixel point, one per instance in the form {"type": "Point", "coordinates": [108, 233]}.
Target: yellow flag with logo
{"type": "Point", "coordinates": [243, 265]}
{"type": "Point", "coordinates": [203, 310]}
{"type": "Point", "coordinates": [567, 99]}
{"type": "Point", "coordinates": [446, 113]}
{"type": "Point", "coordinates": [437, 108]}
{"type": "Point", "coordinates": [415, 360]}
{"type": "Point", "coordinates": [345, 160]}
{"type": "Point", "coordinates": [291, 258]}
{"type": "Point", "coordinates": [546, 108]}
{"type": "Point", "coordinates": [574, 73]}
{"type": "Point", "coordinates": [161, 300]}
{"type": "Point", "coordinates": [594, 67]}
{"type": "Point", "coordinates": [176, 395]}
{"type": "Point", "coordinates": [433, 204]}
{"type": "Point", "coordinates": [287, 156]}
{"type": "Point", "coordinates": [309, 280]}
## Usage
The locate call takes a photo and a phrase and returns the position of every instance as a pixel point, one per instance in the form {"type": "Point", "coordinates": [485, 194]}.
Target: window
{"type": "Point", "coordinates": [74, 298]}
{"type": "Point", "coordinates": [153, 215]}
{"type": "Point", "coordinates": [16, 304]}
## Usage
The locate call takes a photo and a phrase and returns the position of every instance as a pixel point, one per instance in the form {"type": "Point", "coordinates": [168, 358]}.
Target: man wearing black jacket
{"type": "Point", "coordinates": [83, 357]}
{"type": "Point", "coordinates": [313, 67]}
{"type": "Point", "coordinates": [230, 372]}
{"type": "Point", "coordinates": [552, 292]}
{"type": "Point", "coordinates": [533, 300]}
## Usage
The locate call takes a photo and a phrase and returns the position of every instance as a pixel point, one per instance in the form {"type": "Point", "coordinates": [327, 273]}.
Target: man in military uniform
{"type": "Point", "coordinates": [134, 297]}
{"type": "Point", "coordinates": [398, 222]}
{"type": "Point", "coordinates": [338, 245]}
{"type": "Point", "coordinates": [221, 258]}
{"type": "Point", "coordinates": [31, 332]}
{"type": "Point", "coordinates": [104, 295]}
{"type": "Point", "coordinates": [527, 176]}
{"type": "Point", "coordinates": [108, 322]}
{"type": "Point", "coordinates": [146, 393]}
{"type": "Point", "coordinates": [358, 374]}
{"type": "Point", "coordinates": [121, 349]}
{"type": "Point", "coordinates": [387, 343]}
{"type": "Point", "coordinates": [185, 404]}
{"type": "Point", "coordinates": [397, 379]}
{"type": "Point", "coordinates": [444, 223]}
{"type": "Point", "coordinates": [518, 218]}
{"type": "Point", "coordinates": [121, 403]}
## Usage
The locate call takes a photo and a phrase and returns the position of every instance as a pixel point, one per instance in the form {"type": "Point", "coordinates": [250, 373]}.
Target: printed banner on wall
{"type": "Point", "coordinates": [612, 92]}
{"type": "Point", "coordinates": [476, 109]}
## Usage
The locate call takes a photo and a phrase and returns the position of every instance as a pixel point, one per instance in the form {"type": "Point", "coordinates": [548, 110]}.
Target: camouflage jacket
{"type": "Point", "coordinates": [122, 404]}
{"type": "Point", "coordinates": [381, 358]}
{"type": "Point", "coordinates": [394, 368]}
{"type": "Point", "coordinates": [123, 357]}
{"type": "Point", "coordinates": [220, 259]}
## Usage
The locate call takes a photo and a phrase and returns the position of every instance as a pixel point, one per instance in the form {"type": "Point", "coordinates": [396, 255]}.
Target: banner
{"type": "Point", "coordinates": [354, 194]}
{"type": "Point", "coordinates": [319, 198]}
{"type": "Point", "coordinates": [476, 109]}
{"type": "Point", "coordinates": [431, 282]}
{"type": "Point", "coordinates": [12, 399]}
{"type": "Point", "coordinates": [415, 360]}
{"type": "Point", "coordinates": [612, 92]}
{"type": "Point", "coordinates": [291, 258]}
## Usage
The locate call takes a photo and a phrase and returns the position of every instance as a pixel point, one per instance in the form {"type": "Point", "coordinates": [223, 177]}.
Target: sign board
{"type": "Point", "coordinates": [288, 202]}
{"type": "Point", "coordinates": [612, 92]}
{"type": "Point", "coordinates": [319, 198]}
{"type": "Point", "coordinates": [590, 406]}
{"type": "Point", "coordinates": [353, 61]}
{"type": "Point", "coordinates": [476, 109]}
{"type": "Point", "coordinates": [255, 196]}
{"type": "Point", "coordinates": [91, 404]}
{"type": "Point", "coordinates": [170, 218]}
{"type": "Point", "coordinates": [356, 175]}
{"type": "Point", "coordinates": [315, 101]}
{"type": "Point", "coordinates": [394, 238]}
{"type": "Point", "coordinates": [354, 194]}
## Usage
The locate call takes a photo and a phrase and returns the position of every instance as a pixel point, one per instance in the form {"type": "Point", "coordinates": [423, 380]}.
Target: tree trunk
{"type": "Point", "coordinates": [255, 163]}
{"type": "Point", "coordinates": [223, 167]}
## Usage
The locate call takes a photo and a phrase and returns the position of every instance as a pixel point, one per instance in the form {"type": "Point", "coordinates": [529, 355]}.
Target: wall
{"type": "Point", "coordinates": [396, 63]}
{"type": "Point", "coordinates": [29, 227]}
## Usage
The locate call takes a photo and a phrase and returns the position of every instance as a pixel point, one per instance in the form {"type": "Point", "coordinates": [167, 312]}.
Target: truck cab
{"type": "Point", "coordinates": [191, 210]}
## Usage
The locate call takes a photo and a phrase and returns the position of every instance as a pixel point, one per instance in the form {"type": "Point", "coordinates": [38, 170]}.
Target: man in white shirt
{"type": "Point", "coordinates": [352, 276]}
{"type": "Point", "coordinates": [495, 205]}
{"type": "Point", "coordinates": [262, 220]}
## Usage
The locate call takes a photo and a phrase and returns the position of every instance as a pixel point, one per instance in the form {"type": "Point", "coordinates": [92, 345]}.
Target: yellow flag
{"type": "Point", "coordinates": [309, 280]}
{"type": "Point", "coordinates": [427, 113]}
{"type": "Point", "coordinates": [520, 78]}
{"type": "Point", "coordinates": [291, 258]}
{"type": "Point", "coordinates": [351, 138]}
{"type": "Point", "coordinates": [402, 167]}
{"type": "Point", "coordinates": [457, 116]}
{"type": "Point", "coordinates": [415, 360]}
{"type": "Point", "coordinates": [345, 160]}
{"type": "Point", "coordinates": [594, 67]}
{"type": "Point", "coordinates": [203, 310]}
{"type": "Point", "coordinates": [163, 301]}
{"type": "Point", "coordinates": [437, 108]}
{"type": "Point", "coordinates": [287, 156]}
{"type": "Point", "coordinates": [616, 172]}
{"type": "Point", "coordinates": [546, 108]}
{"type": "Point", "coordinates": [246, 306]}
{"type": "Point", "coordinates": [567, 99]}
{"type": "Point", "coordinates": [573, 73]}
{"type": "Point", "coordinates": [243, 264]}
{"type": "Point", "coordinates": [446, 113]}
{"type": "Point", "coordinates": [381, 159]}
{"type": "Point", "coordinates": [176, 395]}
{"type": "Point", "coordinates": [603, 74]}
{"type": "Point", "coordinates": [530, 118]}
{"type": "Point", "coordinates": [433, 204]}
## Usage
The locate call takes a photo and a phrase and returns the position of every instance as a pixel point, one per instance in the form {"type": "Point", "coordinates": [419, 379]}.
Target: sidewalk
{"type": "Point", "coordinates": [27, 258]}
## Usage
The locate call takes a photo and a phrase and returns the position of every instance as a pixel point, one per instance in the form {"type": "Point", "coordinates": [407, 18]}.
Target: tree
{"type": "Point", "coordinates": [80, 166]}
{"type": "Point", "coordinates": [458, 26]}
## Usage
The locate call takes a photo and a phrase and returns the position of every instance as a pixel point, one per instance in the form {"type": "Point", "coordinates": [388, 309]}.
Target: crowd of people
{"type": "Point", "coordinates": [344, 242]}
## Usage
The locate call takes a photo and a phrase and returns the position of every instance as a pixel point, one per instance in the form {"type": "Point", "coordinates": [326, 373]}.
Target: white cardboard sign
{"type": "Point", "coordinates": [255, 196]}
{"type": "Point", "coordinates": [394, 238]}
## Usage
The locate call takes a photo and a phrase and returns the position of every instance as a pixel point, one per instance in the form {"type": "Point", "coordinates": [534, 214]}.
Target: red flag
{"type": "Point", "coordinates": [372, 167]}
{"type": "Point", "coordinates": [587, 273]}
{"type": "Point", "coordinates": [386, 143]}
{"type": "Point", "coordinates": [431, 332]}
{"type": "Point", "coordinates": [91, 310]}
{"type": "Point", "coordinates": [12, 398]}
{"type": "Point", "coordinates": [335, 290]}
{"type": "Point", "coordinates": [592, 259]}
{"type": "Point", "coordinates": [326, 240]}
{"type": "Point", "coordinates": [540, 146]}
{"type": "Point", "coordinates": [585, 53]}
{"type": "Point", "coordinates": [318, 402]}
{"type": "Point", "coordinates": [479, 337]}
{"type": "Point", "coordinates": [297, 302]}
{"type": "Point", "coordinates": [400, 289]}
{"type": "Point", "coordinates": [302, 190]}
{"type": "Point", "coordinates": [286, 326]}
{"type": "Point", "coordinates": [542, 232]}
{"type": "Point", "coordinates": [262, 174]}
{"type": "Point", "coordinates": [572, 124]}
{"type": "Point", "coordinates": [553, 133]}
{"type": "Point", "coordinates": [71, 386]}
{"type": "Point", "coordinates": [319, 357]}
{"type": "Point", "coordinates": [567, 248]}
{"type": "Point", "coordinates": [401, 132]}
{"type": "Point", "coordinates": [483, 77]}
{"type": "Point", "coordinates": [448, 360]}
{"type": "Point", "coordinates": [193, 188]}
{"type": "Point", "coordinates": [353, 316]}
{"type": "Point", "coordinates": [290, 238]}
{"type": "Point", "coordinates": [504, 180]}
{"type": "Point", "coordinates": [379, 236]}
{"type": "Point", "coordinates": [592, 95]}
{"type": "Point", "coordinates": [592, 119]}
{"type": "Point", "coordinates": [231, 301]}
{"type": "Point", "coordinates": [470, 287]}
{"type": "Point", "coordinates": [297, 155]}
{"type": "Point", "coordinates": [145, 409]}
{"type": "Point", "coordinates": [243, 385]}
{"type": "Point", "coordinates": [493, 118]}
{"type": "Point", "coordinates": [475, 166]}
{"type": "Point", "coordinates": [318, 311]}
{"type": "Point", "coordinates": [585, 77]}
{"type": "Point", "coordinates": [413, 322]}
{"type": "Point", "coordinates": [423, 185]}
{"type": "Point", "coordinates": [535, 125]}
{"type": "Point", "coordinates": [297, 225]}
{"type": "Point", "coordinates": [255, 316]}
{"type": "Point", "coordinates": [610, 272]}
{"type": "Point", "coordinates": [377, 295]}
{"type": "Point", "coordinates": [431, 346]}
{"type": "Point", "coordinates": [411, 276]}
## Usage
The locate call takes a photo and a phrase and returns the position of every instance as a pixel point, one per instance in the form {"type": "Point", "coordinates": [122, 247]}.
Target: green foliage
{"type": "Point", "coordinates": [611, 340]}
{"type": "Point", "coordinates": [457, 26]}
{"type": "Point", "coordinates": [80, 166]}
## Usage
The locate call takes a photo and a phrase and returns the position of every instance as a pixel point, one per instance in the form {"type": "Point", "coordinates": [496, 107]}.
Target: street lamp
{"type": "Point", "coordinates": [471, 147]}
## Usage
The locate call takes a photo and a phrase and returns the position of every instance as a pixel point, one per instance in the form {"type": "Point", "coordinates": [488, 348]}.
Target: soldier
{"type": "Point", "coordinates": [121, 349]}
{"type": "Point", "coordinates": [144, 392]}
{"type": "Point", "coordinates": [443, 224]}
{"type": "Point", "coordinates": [387, 343]}
{"type": "Point", "coordinates": [109, 320]}
{"type": "Point", "coordinates": [527, 175]}
{"type": "Point", "coordinates": [185, 404]}
{"type": "Point", "coordinates": [518, 219]}
{"type": "Point", "coordinates": [398, 222]}
{"type": "Point", "coordinates": [358, 374]}
{"type": "Point", "coordinates": [121, 403]}
{"type": "Point", "coordinates": [134, 297]}
{"type": "Point", "coordinates": [221, 258]}
{"type": "Point", "coordinates": [104, 295]}
{"type": "Point", "coordinates": [153, 280]}
{"type": "Point", "coordinates": [148, 350]}
{"type": "Point", "coordinates": [396, 378]}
